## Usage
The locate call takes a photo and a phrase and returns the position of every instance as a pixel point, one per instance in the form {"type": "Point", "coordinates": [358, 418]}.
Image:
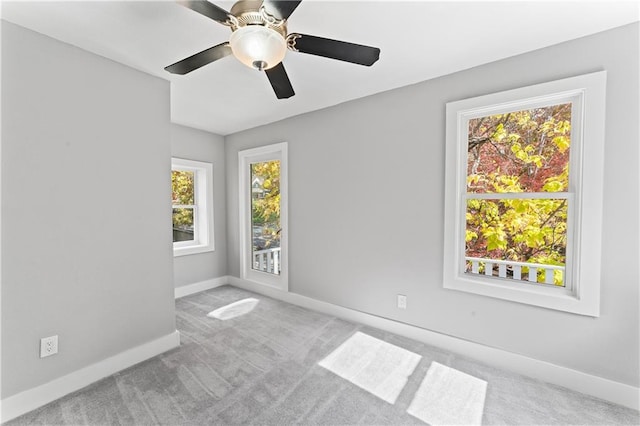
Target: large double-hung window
{"type": "Point", "coordinates": [524, 193]}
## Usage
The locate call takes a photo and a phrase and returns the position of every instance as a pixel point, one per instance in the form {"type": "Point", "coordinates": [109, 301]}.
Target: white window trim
{"type": "Point", "coordinates": [587, 93]}
{"type": "Point", "coordinates": [203, 232]}
{"type": "Point", "coordinates": [245, 159]}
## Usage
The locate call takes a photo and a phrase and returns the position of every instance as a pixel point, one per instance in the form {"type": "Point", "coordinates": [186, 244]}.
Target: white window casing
{"type": "Point", "coordinates": [203, 208]}
{"type": "Point", "coordinates": [587, 95]}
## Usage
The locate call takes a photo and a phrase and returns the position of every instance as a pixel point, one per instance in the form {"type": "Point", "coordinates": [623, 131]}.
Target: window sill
{"type": "Point", "coordinates": [549, 297]}
{"type": "Point", "coordinates": [185, 251]}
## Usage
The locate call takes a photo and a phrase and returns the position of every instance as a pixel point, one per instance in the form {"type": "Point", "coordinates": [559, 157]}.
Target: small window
{"type": "Point", "coordinates": [191, 198]}
{"type": "Point", "coordinates": [524, 191]}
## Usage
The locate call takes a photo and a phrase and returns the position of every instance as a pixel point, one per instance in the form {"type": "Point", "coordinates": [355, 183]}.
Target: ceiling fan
{"type": "Point", "coordinates": [259, 39]}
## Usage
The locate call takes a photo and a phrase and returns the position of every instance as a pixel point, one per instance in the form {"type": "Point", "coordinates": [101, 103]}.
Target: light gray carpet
{"type": "Point", "coordinates": [262, 368]}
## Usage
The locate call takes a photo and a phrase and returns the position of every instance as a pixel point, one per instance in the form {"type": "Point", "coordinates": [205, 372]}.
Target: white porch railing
{"type": "Point", "coordinates": [267, 260]}
{"type": "Point", "coordinates": [513, 270]}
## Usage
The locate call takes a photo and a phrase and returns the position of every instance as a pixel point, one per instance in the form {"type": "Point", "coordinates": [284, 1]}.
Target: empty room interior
{"type": "Point", "coordinates": [320, 212]}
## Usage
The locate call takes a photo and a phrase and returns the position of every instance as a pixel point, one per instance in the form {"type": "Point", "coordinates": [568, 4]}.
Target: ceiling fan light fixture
{"type": "Point", "coordinates": [258, 47]}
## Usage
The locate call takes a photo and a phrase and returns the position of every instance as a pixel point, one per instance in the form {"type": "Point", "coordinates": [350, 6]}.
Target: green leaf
{"type": "Point", "coordinates": [562, 142]}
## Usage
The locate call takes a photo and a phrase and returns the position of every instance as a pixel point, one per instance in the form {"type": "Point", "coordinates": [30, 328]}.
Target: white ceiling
{"type": "Point", "coordinates": [419, 40]}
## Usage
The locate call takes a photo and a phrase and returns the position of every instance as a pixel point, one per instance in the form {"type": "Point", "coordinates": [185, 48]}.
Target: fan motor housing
{"type": "Point", "coordinates": [250, 12]}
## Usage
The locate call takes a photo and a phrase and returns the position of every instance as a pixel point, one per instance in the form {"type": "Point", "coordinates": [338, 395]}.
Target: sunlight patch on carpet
{"type": "Point", "coordinates": [234, 309]}
{"type": "Point", "coordinates": [449, 397]}
{"type": "Point", "coordinates": [372, 364]}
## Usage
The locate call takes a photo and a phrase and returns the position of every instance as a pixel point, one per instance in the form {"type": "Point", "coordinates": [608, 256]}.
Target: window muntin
{"type": "Point", "coordinates": [582, 189]}
{"type": "Point", "coordinates": [192, 206]}
{"type": "Point", "coordinates": [521, 160]}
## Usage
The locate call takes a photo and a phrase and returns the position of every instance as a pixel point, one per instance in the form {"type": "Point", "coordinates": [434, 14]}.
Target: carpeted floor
{"type": "Point", "coordinates": [262, 366]}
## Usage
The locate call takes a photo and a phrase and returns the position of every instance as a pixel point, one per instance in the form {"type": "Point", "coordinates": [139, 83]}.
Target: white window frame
{"type": "Point", "coordinates": [203, 212]}
{"type": "Point", "coordinates": [245, 159]}
{"type": "Point", "coordinates": [582, 292]}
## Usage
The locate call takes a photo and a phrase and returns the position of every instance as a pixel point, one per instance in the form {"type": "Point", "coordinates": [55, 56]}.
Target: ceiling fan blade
{"type": "Point", "coordinates": [280, 81]}
{"type": "Point", "coordinates": [281, 9]}
{"type": "Point", "coordinates": [200, 59]}
{"type": "Point", "coordinates": [207, 9]}
{"type": "Point", "coordinates": [334, 49]}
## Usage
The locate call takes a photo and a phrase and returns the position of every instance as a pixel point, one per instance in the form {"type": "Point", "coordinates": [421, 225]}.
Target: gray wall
{"type": "Point", "coordinates": [366, 183]}
{"type": "Point", "coordinates": [86, 222]}
{"type": "Point", "coordinates": [192, 144]}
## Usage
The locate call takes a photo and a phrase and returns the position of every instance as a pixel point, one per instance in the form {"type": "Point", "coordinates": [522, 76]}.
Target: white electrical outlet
{"type": "Point", "coordinates": [402, 301]}
{"type": "Point", "coordinates": [48, 346]}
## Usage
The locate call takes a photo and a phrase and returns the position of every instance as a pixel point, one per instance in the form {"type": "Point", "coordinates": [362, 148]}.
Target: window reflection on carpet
{"type": "Point", "coordinates": [234, 309]}
{"type": "Point", "coordinates": [449, 397]}
{"type": "Point", "coordinates": [372, 364]}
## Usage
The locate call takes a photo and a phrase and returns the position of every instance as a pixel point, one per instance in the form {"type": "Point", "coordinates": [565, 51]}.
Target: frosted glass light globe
{"type": "Point", "coordinates": [258, 47]}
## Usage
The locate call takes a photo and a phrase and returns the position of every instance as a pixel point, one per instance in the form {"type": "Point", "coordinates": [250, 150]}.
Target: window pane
{"type": "Point", "coordinates": [183, 224]}
{"type": "Point", "coordinates": [265, 216]}
{"type": "Point", "coordinates": [518, 232]}
{"type": "Point", "coordinates": [520, 151]}
{"type": "Point", "coordinates": [182, 185]}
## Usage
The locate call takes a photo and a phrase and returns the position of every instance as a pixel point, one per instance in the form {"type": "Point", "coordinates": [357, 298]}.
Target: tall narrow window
{"type": "Point", "coordinates": [265, 216]}
{"type": "Point", "coordinates": [523, 196]}
{"type": "Point", "coordinates": [263, 195]}
{"type": "Point", "coordinates": [191, 198]}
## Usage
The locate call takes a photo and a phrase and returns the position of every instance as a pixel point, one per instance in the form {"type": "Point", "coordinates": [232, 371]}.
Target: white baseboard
{"type": "Point", "coordinates": [29, 400]}
{"type": "Point", "coordinates": [609, 390]}
{"type": "Point", "coordinates": [188, 289]}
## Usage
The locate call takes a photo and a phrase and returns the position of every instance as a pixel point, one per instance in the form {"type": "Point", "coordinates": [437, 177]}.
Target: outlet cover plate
{"type": "Point", "coordinates": [402, 301]}
{"type": "Point", "coordinates": [48, 346]}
